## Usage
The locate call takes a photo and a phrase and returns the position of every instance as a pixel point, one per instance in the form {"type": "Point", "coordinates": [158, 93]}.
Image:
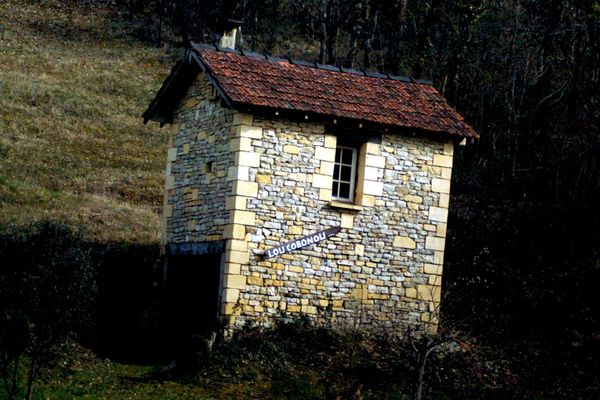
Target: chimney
{"type": "Point", "coordinates": [230, 37]}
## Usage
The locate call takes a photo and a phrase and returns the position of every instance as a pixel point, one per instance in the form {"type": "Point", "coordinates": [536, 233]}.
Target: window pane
{"type": "Point", "coordinates": [335, 189]}
{"type": "Point", "coordinates": [347, 156]}
{"type": "Point", "coordinates": [336, 172]}
{"type": "Point", "coordinates": [338, 154]}
{"type": "Point", "coordinates": [344, 190]}
{"type": "Point", "coordinates": [346, 173]}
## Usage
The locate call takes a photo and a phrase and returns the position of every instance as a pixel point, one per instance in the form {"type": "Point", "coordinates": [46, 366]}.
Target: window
{"type": "Point", "coordinates": [344, 173]}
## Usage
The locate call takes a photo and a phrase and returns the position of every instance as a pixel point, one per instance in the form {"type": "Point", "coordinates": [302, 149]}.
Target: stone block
{"type": "Point", "coordinates": [242, 119]}
{"type": "Point", "coordinates": [369, 174]}
{"type": "Point", "coordinates": [375, 161]}
{"type": "Point", "coordinates": [169, 182]}
{"type": "Point", "coordinates": [404, 242]}
{"type": "Point", "coordinates": [411, 293]}
{"type": "Point", "coordinates": [295, 230]}
{"type": "Point", "coordinates": [325, 153]}
{"type": "Point", "coordinates": [366, 200]}
{"type": "Point", "coordinates": [440, 185]}
{"type": "Point", "coordinates": [247, 159]}
{"type": "Point", "coordinates": [264, 179]}
{"type": "Point", "coordinates": [438, 214]}
{"type": "Point", "coordinates": [255, 281]}
{"type": "Point", "coordinates": [432, 269]}
{"type": "Point", "coordinates": [238, 173]}
{"type": "Point", "coordinates": [232, 269]}
{"type": "Point", "coordinates": [326, 168]}
{"type": "Point", "coordinates": [447, 173]}
{"type": "Point", "coordinates": [322, 181]}
{"type": "Point", "coordinates": [238, 257]}
{"type": "Point", "coordinates": [438, 257]}
{"type": "Point", "coordinates": [440, 160]}
{"type": "Point", "coordinates": [186, 148]}
{"type": "Point", "coordinates": [325, 194]}
{"type": "Point", "coordinates": [429, 292]}
{"type": "Point", "coordinates": [435, 280]}
{"type": "Point", "coordinates": [359, 249]}
{"type": "Point", "coordinates": [290, 149]}
{"type": "Point", "coordinates": [237, 245]}
{"type": "Point", "coordinates": [413, 199]}
{"type": "Point", "coordinates": [172, 154]}
{"type": "Point", "coordinates": [330, 142]}
{"type": "Point", "coordinates": [435, 243]}
{"type": "Point", "coordinates": [441, 230]}
{"type": "Point", "coordinates": [444, 200]}
{"type": "Point", "coordinates": [248, 189]}
{"type": "Point", "coordinates": [372, 188]}
{"type": "Point", "coordinates": [373, 148]}
{"type": "Point", "coordinates": [231, 295]}
{"type": "Point", "coordinates": [347, 221]}
{"type": "Point", "coordinates": [234, 281]}
{"type": "Point", "coordinates": [232, 231]}
{"type": "Point", "coordinates": [241, 144]}
{"type": "Point", "coordinates": [243, 217]}
{"type": "Point", "coordinates": [235, 203]}
{"type": "Point", "coordinates": [449, 148]}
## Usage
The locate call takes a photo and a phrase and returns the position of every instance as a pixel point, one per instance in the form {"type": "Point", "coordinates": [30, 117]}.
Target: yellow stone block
{"type": "Point", "coordinates": [373, 148]}
{"type": "Point", "coordinates": [411, 292]}
{"type": "Point", "coordinates": [367, 200]}
{"type": "Point", "coordinates": [449, 148]}
{"type": "Point", "coordinates": [432, 269]}
{"type": "Point", "coordinates": [359, 249]}
{"type": "Point", "coordinates": [413, 199]}
{"type": "Point", "coordinates": [293, 268]}
{"type": "Point", "coordinates": [290, 149]}
{"type": "Point", "coordinates": [235, 203]}
{"type": "Point", "coordinates": [186, 148]}
{"type": "Point", "coordinates": [232, 231]}
{"type": "Point", "coordinates": [441, 230]}
{"type": "Point", "coordinates": [243, 217]}
{"type": "Point", "coordinates": [428, 292]}
{"type": "Point", "coordinates": [295, 230]}
{"type": "Point", "coordinates": [325, 194]}
{"type": "Point", "coordinates": [231, 295]}
{"type": "Point", "coordinates": [440, 185]}
{"type": "Point", "coordinates": [247, 131]}
{"type": "Point", "coordinates": [435, 243]}
{"type": "Point", "coordinates": [235, 282]}
{"type": "Point", "coordinates": [202, 135]}
{"type": "Point", "coordinates": [330, 142]}
{"type": "Point", "coordinates": [232, 268]}
{"type": "Point", "coordinates": [293, 308]}
{"type": "Point", "coordinates": [371, 188]}
{"type": "Point", "coordinates": [263, 179]}
{"type": "Point", "coordinates": [347, 221]}
{"type": "Point", "coordinates": [435, 280]}
{"type": "Point", "coordinates": [438, 257]}
{"type": "Point", "coordinates": [237, 245]}
{"type": "Point", "coordinates": [442, 160]}
{"type": "Point", "coordinates": [446, 173]}
{"type": "Point", "coordinates": [248, 189]}
{"type": "Point", "coordinates": [241, 144]}
{"type": "Point", "coordinates": [323, 303]}
{"type": "Point", "coordinates": [238, 257]}
{"type": "Point", "coordinates": [404, 242]}
{"type": "Point", "coordinates": [444, 200]}
{"type": "Point", "coordinates": [255, 281]}
{"type": "Point", "coordinates": [326, 168]}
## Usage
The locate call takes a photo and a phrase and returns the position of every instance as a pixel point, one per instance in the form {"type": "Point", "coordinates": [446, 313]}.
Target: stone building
{"type": "Point", "coordinates": [266, 154]}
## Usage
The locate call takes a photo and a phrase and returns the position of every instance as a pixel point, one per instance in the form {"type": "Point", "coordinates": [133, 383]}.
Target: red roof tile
{"type": "Point", "coordinates": [279, 84]}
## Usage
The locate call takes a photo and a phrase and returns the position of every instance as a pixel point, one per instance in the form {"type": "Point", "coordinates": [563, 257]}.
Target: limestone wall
{"type": "Point", "coordinates": [384, 267]}
{"type": "Point", "coordinates": [199, 159]}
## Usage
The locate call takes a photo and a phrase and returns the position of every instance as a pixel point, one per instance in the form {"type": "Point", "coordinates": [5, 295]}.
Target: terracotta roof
{"type": "Point", "coordinates": [280, 84]}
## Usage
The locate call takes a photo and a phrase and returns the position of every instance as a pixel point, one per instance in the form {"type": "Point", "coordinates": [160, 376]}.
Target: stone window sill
{"type": "Point", "coordinates": [345, 206]}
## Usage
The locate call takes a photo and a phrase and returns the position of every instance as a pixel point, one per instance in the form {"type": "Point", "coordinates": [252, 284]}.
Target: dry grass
{"type": "Point", "coordinates": [73, 84]}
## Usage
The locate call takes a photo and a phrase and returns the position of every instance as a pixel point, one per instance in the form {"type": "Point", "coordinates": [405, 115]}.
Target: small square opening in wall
{"type": "Point", "coordinates": [208, 167]}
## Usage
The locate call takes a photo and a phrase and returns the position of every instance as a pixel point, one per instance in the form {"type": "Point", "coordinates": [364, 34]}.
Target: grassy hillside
{"type": "Point", "coordinates": [73, 84]}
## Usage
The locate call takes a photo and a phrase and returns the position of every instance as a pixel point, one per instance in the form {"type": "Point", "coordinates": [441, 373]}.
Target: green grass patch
{"type": "Point", "coordinates": [73, 85]}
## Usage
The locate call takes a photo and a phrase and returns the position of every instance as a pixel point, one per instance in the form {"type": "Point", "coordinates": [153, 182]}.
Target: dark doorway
{"type": "Point", "coordinates": [193, 294]}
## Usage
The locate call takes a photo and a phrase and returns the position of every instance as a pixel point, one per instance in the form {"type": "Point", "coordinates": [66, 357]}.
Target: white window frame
{"type": "Point", "coordinates": [336, 179]}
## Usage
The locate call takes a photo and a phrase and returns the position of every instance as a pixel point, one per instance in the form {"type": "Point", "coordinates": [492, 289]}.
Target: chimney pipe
{"type": "Point", "coordinates": [232, 34]}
